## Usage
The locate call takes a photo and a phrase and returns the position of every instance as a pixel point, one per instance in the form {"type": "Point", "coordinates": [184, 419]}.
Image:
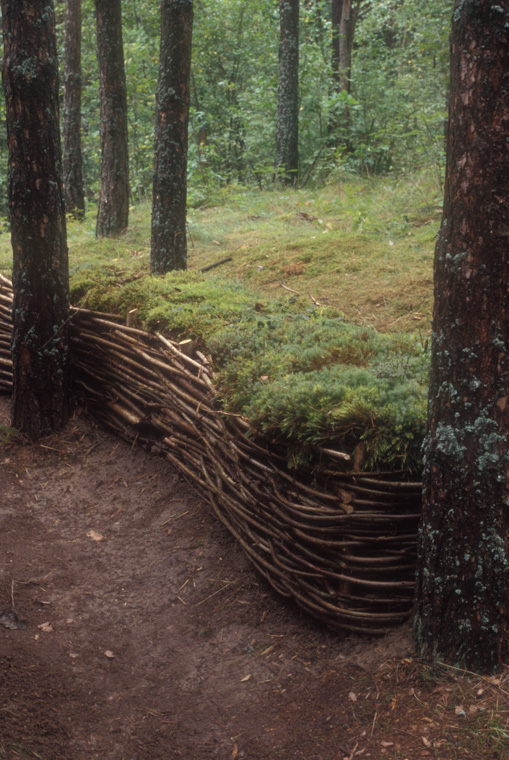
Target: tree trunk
{"type": "Point", "coordinates": [73, 163]}
{"type": "Point", "coordinates": [336, 12]}
{"type": "Point", "coordinates": [344, 18]}
{"type": "Point", "coordinates": [169, 243]}
{"type": "Point", "coordinates": [287, 125]}
{"type": "Point", "coordinates": [41, 370]}
{"type": "Point", "coordinates": [462, 610]}
{"type": "Point", "coordinates": [346, 33]}
{"type": "Point", "coordinates": [113, 210]}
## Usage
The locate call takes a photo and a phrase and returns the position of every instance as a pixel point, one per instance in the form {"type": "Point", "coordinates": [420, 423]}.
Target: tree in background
{"type": "Point", "coordinates": [113, 210]}
{"type": "Point", "coordinates": [233, 94]}
{"type": "Point", "coordinates": [40, 348]}
{"type": "Point", "coordinates": [141, 29]}
{"type": "Point", "coordinates": [462, 613]}
{"type": "Point", "coordinates": [287, 124]}
{"type": "Point", "coordinates": [71, 122]}
{"type": "Point", "coordinates": [168, 234]}
{"type": "Point", "coordinates": [399, 79]}
{"type": "Point", "coordinates": [343, 18]}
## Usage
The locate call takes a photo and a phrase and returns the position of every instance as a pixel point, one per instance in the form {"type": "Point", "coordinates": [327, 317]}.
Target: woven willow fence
{"type": "Point", "coordinates": [342, 544]}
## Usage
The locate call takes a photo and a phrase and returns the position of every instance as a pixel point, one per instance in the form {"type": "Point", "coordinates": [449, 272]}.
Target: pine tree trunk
{"type": "Point", "coordinates": [113, 210]}
{"type": "Point", "coordinates": [41, 390]}
{"type": "Point", "coordinates": [73, 162]}
{"type": "Point", "coordinates": [462, 611]}
{"type": "Point", "coordinates": [169, 243]}
{"type": "Point", "coordinates": [287, 125]}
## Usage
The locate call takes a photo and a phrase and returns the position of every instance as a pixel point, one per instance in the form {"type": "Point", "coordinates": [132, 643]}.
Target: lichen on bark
{"type": "Point", "coordinates": [462, 609]}
{"type": "Point", "coordinates": [169, 194]}
{"type": "Point", "coordinates": [40, 346]}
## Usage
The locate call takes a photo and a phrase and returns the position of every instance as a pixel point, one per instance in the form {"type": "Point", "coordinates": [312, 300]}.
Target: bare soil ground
{"type": "Point", "coordinates": [132, 627]}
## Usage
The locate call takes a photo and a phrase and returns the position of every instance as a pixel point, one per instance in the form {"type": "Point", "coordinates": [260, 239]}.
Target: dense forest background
{"type": "Point", "coordinates": [392, 120]}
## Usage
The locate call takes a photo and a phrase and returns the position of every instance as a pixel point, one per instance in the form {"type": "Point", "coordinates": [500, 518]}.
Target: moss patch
{"type": "Point", "coordinates": [304, 376]}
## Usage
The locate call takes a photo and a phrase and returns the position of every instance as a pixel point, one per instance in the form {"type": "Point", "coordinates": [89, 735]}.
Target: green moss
{"type": "Point", "coordinates": [303, 376]}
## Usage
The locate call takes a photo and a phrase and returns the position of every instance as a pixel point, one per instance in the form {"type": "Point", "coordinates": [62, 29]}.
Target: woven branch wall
{"type": "Point", "coordinates": [341, 544]}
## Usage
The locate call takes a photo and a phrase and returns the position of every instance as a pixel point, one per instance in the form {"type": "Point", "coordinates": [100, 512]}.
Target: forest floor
{"type": "Point", "coordinates": [132, 627]}
{"type": "Point", "coordinates": [363, 247]}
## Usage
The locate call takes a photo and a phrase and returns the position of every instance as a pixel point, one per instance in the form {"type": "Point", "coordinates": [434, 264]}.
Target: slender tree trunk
{"type": "Point", "coordinates": [73, 162]}
{"type": "Point", "coordinates": [344, 18]}
{"type": "Point", "coordinates": [336, 11]}
{"type": "Point", "coordinates": [287, 126]}
{"type": "Point", "coordinates": [462, 610]}
{"type": "Point", "coordinates": [113, 210]}
{"type": "Point", "coordinates": [169, 243]}
{"type": "Point", "coordinates": [346, 35]}
{"type": "Point", "coordinates": [41, 390]}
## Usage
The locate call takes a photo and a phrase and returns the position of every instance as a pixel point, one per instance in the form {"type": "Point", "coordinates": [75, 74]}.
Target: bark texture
{"type": "Point", "coordinates": [41, 372]}
{"type": "Point", "coordinates": [287, 124]}
{"type": "Point", "coordinates": [73, 162]}
{"type": "Point", "coordinates": [168, 236]}
{"type": "Point", "coordinates": [113, 210]}
{"type": "Point", "coordinates": [462, 611]}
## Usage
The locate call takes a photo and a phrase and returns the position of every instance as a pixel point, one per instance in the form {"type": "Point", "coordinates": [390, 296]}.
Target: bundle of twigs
{"type": "Point", "coordinates": [5, 335]}
{"type": "Point", "coordinates": [340, 543]}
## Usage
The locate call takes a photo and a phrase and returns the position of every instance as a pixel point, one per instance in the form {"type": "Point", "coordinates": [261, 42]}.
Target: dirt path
{"type": "Point", "coordinates": [149, 636]}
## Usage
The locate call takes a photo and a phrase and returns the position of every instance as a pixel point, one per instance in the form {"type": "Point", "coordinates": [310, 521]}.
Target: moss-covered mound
{"type": "Point", "coordinates": [304, 377]}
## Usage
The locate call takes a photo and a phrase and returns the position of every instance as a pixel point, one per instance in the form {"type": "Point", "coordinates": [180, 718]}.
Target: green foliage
{"type": "Point", "coordinates": [396, 108]}
{"type": "Point", "coordinates": [399, 80]}
{"type": "Point", "coordinates": [303, 376]}
{"type": "Point", "coordinates": [233, 92]}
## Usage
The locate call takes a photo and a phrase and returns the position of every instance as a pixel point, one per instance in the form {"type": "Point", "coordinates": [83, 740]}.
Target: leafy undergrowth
{"type": "Point", "coordinates": [304, 376]}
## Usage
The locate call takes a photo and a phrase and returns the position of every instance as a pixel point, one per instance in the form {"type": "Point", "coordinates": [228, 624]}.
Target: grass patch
{"type": "Point", "coordinates": [364, 247]}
